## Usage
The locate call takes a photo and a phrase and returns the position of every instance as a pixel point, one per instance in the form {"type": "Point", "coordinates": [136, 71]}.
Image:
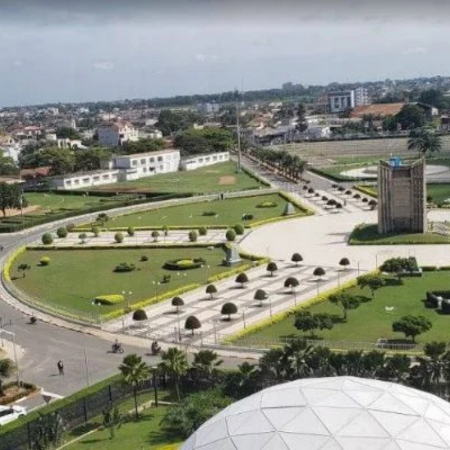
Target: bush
{"type": "Point", "coordinates": [209, 213]}
{"type": "Point", "coordinates": [124, 267]}
{"type": "Point", "coordinates": [248, 216]}
{"type": "Point", "coordinates": [112, 299]}
{"type": "Point", "coordinates": [130, 231]}
{"type": "Point", "coordinates": [239, 228]}
{"type": "Point", "coordinates": [228, 309]}
{"type": "Point", "coordinates": [62, 232]}
{"type": "Point", "coordinates": [139, 315]}
{"type": "Point", "coordinates": [296, 258]}
{"type": "Point", "coordinates": [144, 258]}
{"type": "Point", "coordinates": [82, 237]}
{"type": "Point", "coordinates": [193, 236]}
{"type": "Point", "coordinates": [192, 323]}
{"type": "Point", "coordinates": [47, 239]}
{"type": "Point", "coordinates": [44, 261]}
{"type": "Point", "coordinates": [230, 235]}
{"type": "Point", "coordinates": [70, 226]}
{"type": "Point", "coordinates": [242, 278]}
{"type": "Point", "coordinates": [155, 235]}
{"type": "Point", "coordinates": [429, 268]}
{"type": "Point", "coordinates": [119, 237]}
{"type": "Point", "coordinates": [177, 301]}
{"type": "Point", "coordinates": [184, 264]}
{"type": "Point", "coordinates": [211, 290]}
{"type": "Point", "coordinates": [165, 230]}
{"type": "Point", "coordinates": [96, 231]}
{"type": "Point", "coordinates": [203, 231]}
{"type": "Point", "coordinates": [319, 272]}
{"type": "Point", "coordinates": [267, 205]}
{"type": "Point", "coordinates": [272, 267]}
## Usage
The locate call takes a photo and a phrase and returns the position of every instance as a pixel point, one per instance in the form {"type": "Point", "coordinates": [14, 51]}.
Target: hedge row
{"type": "Point", "coordinates": [123, 246]}
{"type": "Point", "coordinates": [283, 315]}
{"type": "Point", "coordinates": [10, 261]}
{"type": "Point", "coordinates": [367, 190]}
{"type": "Point", "coordinates": [85, 229]}
{"type": "Point", "coordinates": [434, 268]}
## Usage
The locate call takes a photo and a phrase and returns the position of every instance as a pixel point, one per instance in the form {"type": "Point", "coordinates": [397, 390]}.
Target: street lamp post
{"type": "Point", "coordinates": [270, 305]}
{"type": "Point", "coordinates": [295, 297]}
{"type": "Point", "coordinates": [243, 317]}
{"type": "Point", "coordinates": [127, 297]}
{"type": "Point", "coordinates": [154, 369]}
{"type": "Point", "coordinates": [99, 316]}
{"type": "Point", "coordinates": [86, 365]}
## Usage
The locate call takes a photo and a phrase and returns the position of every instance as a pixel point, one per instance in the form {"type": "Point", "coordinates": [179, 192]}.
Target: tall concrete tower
{"type": "Point", "coordinates": [402, 197]}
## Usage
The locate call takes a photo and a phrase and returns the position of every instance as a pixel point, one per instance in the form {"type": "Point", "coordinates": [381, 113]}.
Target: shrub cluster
{"type": "Point", "coordinates": [184, 264]}
{"type": "Point", "coordinates": [124, 267]}
{"type": "Point", "coordinates": [267, 205]}
{"type": "Point", "coordinates": [111, 299]}
{"type": "Point", "coordinates": [44, 261]}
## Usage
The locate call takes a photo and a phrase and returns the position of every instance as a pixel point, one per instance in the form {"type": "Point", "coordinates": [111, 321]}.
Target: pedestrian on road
{"type": "Point", "coordinates": [60, 366]}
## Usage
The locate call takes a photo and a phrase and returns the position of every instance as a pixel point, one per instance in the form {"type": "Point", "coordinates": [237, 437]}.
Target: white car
{"type": "Point", "coordinates": [10, 413]}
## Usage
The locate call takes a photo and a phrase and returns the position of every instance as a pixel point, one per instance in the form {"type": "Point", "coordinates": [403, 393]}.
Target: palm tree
{"type": "Point", "coordinates": [206, 362]}
{"type": "Point", "coordinates": [424, 141]}
{"type": "Point", "coordinates": [134, 372]}
{"type": "Point", "coordinates": [295, 359]}
{"type": "Point", "coordinates": [174, 362]}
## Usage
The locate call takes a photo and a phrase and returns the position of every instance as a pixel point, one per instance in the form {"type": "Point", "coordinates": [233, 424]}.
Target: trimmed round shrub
{"type": "Point", "coordinates": [203, 231]}
{"type": "Point", "coordinates": [305, 187]}
{"type": "Point", "coordinates": [261, 295]}
{"type": "Point", "coordinates": [155, 235]}
{"type": "Point", "coordinates": [177, 301]}
{"type": "Point", "coordinates": [139, 315]}
{"type": "Point", "coordinates": [62, 232]}
{"type": "Point", "coordinates": [165, 230]}
{"type": "Point", "coordinates": [331, 202]}
{"type": "Point", "coordinates": [144, 258]}
{"type": "Point", "coordinates": [130, 231]}
{"type": "Point", "coordinates": [44, 261]}
{"type": "Point", "coordinates": [230, 235]}
{"type": "Point", "coordinates": [310, 191]}
{"type": "Point", "coordinates": [96, 231]}
{"type": "Point", "coordinates": [348, 192]}
{"type": "Point", "coordinates": [119, 237]}
{"type": "Point", "coordinates": [192, 323]}
{"type": "Point", "coordinates": [211, 290]}
{"type": "Point", "coordinates": [242, 278]}
{"type": "Point", "coordinates": [184, 264]}
{"type": "Point", "coordinates": [319, 272]}
{"type": "Point", "coordinates": [193, 236]}
{"type": "Point", "coordinates": [341, 188]}
{"type": "Point", "coordinates": [248, 216]}
{"type": "Point", "coordinates": [209, 213]}
{"type": "Point", "coordinates": [47, 239]}
{"type": "Point", "coordinates": [228, 309]}
{"type": "Point", "coordinates": [338, 205]}
{"type": "Point", "coordinates": [344, 262]}
{"type": "Point", "coordinates": [357, 196]}
{"type": "Point", "coordinates": [365, 200]}
{"type": "Point", "coordinates": [112, 299]}
{"type": "Point", "coordinates": [267, 204]}
{"type": "Point", "coordinates": [291, 282]}
{"type": "Point", "coordinates": [124, 267]}
{"type": "Point", "coordinates": [334, 186]}
{"type": "Point", "coordinates": [239, 228]}
{"type": "Point", "coordinates": [70, 226]}
{"type": "Point", "coordinates": [373, 202]}
{"type": "Point", "coordinates": [82, 237]}
{"type": "Point", "coordinates": [272, 267]}
{"type": "Point", "coordinates": [324, 198]}
{"type": "Point", "coordinates": [296, 258]}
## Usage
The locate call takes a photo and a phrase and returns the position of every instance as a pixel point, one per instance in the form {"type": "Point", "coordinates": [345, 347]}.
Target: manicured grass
{"type": "Point", "coordinates": [75, 277]}
{"type": "Point", "coordinates": [51, 201]}
{"type": "Point", "coordinates": [228, 212]}
{"type": "Point", "coordinates": [368, 235]}
{"type": "Point", "coordinates": [217, 178]}
{"type": "Point", "coordinates": [370, 321]}
{"type": "Point", "coordinates": [145, 433]}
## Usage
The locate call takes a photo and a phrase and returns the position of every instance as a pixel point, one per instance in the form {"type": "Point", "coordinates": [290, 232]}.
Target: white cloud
{"type": "Point", "coordinates": [414, 51]}
{"type": "Point", "coordinates": [103, 65]}
{"type": "Point", "coordinates": [200, 57]}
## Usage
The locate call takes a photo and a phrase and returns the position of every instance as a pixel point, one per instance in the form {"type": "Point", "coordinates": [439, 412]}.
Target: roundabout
{"type": "Point", "coordinates": [370, 172]}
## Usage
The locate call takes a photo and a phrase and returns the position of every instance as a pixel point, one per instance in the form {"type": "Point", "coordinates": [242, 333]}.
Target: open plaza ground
{"type": "Point", "coordinates": [212, 213]}
{"type": "Point", "coordinates": [371, 321]}
{"type": "Point", "coordinates": [75, 277]}
{"type": "Point", "coordinates": [217, 178]}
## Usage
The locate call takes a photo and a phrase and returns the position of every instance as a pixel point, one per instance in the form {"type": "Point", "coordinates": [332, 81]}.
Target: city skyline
{"type": "Point", "coordinates": [80, 51]}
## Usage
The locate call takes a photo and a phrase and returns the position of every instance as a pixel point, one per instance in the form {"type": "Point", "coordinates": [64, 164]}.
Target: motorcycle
{"type": "Point", "coordinates": [117, 348]}
{"type": "Point", "coordinates": [33, 320]}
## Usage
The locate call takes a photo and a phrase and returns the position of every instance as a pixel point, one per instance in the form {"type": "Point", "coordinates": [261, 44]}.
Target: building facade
{"type": "Point", "coordinates": [197, 161]}
{"type": "Point", "coordinates": [116, 133]}
{"type": "Point", "coordinates": [402, 197]}
{"type": "Point", "coordinates": [362, 96]}
{"type": "Point", "coordinates": [341, 101]}
{"type": "Point", "coordinates": [85, 179]}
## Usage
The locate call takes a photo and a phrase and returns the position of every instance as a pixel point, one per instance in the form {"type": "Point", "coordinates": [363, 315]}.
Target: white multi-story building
{"type": "Point", "coordinates": [85, 179]}
{"type": "Point", "coordinates": [141, 165]}
{"type": "Point", "coordinates": [197, 161]}
{"type": "Point", "coordinates": [361, 96]}
{"type": "Point", "coordinates": [116, 133]}
{"type": "Point", "coordinates": [341, 101]}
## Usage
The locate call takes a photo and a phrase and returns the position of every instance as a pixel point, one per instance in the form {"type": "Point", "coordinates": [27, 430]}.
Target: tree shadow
{"type": "Point", "coordinates": [85, 428]}
{"type": "Point", "coordinates": [393, 282]}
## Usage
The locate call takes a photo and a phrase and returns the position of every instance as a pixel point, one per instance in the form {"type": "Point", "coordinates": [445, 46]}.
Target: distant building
{"type": "Point", "coordinates": [146, 164]}
{"type": "Point", "coordinates": [341, 101]}
{"type": "Point", "coordinates": [208, 108]}
{"type": "Point", "coordinates": [84, 179]}
{"type": "Point", "coordinates": [114, 134]}
{"type": "Point", "coordinates": [361, 96]}
{"type": "Point", "coordinates": [401, 197]}
{"type": "Point", "coordinates": [196, 161]}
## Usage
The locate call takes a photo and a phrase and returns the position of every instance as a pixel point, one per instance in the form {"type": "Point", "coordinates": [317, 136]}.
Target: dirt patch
{"type": "Point", "coordinates": [227, 180]}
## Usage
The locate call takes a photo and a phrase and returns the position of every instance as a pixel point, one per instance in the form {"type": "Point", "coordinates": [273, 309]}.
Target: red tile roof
{"type": "Point", "coordinates": [377, 110]}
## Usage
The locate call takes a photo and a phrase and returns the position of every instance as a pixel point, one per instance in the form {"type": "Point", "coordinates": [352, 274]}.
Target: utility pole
{"type": "Point", "coordinates": [238, 131]}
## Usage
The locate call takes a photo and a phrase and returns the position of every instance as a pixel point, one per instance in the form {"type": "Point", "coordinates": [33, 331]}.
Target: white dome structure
{"type": "Point", "coordinates": [340, 413]}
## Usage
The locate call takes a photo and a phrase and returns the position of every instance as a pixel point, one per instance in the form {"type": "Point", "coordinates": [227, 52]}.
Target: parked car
{"type": "Point", "coordinates": [10, 413]}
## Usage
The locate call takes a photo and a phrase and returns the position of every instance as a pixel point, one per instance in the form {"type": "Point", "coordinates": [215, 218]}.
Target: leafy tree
{"type": "Point", "coordinates": [61, 160]}
{"type": "Point", "coordinates": [242, 278]}
{"type": "Point", "coordinates": [398, 265]}
{"type": "Point", "coordinates": [203, 231]}
{"type": "Point", "coordinates": [49, 432]}
{"type": "Point", "coordinates": [174, 362]}
{"type": "Point", "coordinates": [302, 124]}
{"type": "Point", "coordinates": [211, 290]}
{"type": "Point", "coordinates": [344, 262]}
{"type": "Point", "coordinates": [183, 419]}
{"type": "Point", "coordinates": [82, 237]}
{"type": "Point", "coordinates": [411, 116]}
{"type": "Point", "coordinates": [10, 197]}
{"type": "Point", "coordinates": [319, 272]}
{"type": "Point", "coordinates": [90, 159]}
{"type": "Point", "coordinates": [192, 323]}
{"type": "Point", "coordinates": [143, 146]}
{"type": "Point", "coordinates": [67, 133]}
{"type": "Point", "coordinates": [96, 231]}
{"type": "Point", "coordinates": [412, 326]}
{"type": "Point", "coordinates": [242, 383]}
{"type": "Point", "coordinates": [261, 295]}
{"type": "Point", "coordinates": [177, 302]}
{"type": "Point", "coordinates": [345, 302]}
{"type": "Point", "coordinates": [306, 321]}
{"type": "Point", "coordinates": [112, 420]}
{"type": "Point", "coordinates": [170, 122]}
{"type": "Point", "coordinates": [296, 258]}
{"type": "Point", "coordinates": [373, 282]}
{"type": "Point", "coordinates": [272, 267]}
{"type": "Point", "coordinates": [239, 228]}
{"type": "Point", "coordinates": [47, 239]}
{"type": "Point", "coordinates": [434, 97]}
{"type": "Point", "coordinates": [155, 235]}
{"type": "Point", "coordinates": [7, 368]}
{"type": "Point", "coordinates": [134, 371]}
{"type": "Point", "coordinates": [324, 321]}
{"type": "Point", "coordinates": [228, 309]}
{"type": "Point", "coordinates": [7, 165]}
{"type": "Point", "coordinates": [291, 283]}
{"type": "Point", "coordinates": [193, 235]}
{"type": "Point", "coordinates": [424, 141]}
{"type": "Point", "coordinates": [194, 141]}
{"type": "Point", "coordinates": [206, 362]}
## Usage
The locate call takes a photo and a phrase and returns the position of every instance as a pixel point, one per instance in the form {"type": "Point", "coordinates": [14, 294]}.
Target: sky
{"type": "Point", "coordinates": [89, 50]}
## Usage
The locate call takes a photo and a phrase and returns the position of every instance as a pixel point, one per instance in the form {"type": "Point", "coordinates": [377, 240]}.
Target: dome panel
{"type": "Point", "coordinates": [279, 417]}
{"type": "Point", "coordinates": [249, 422]}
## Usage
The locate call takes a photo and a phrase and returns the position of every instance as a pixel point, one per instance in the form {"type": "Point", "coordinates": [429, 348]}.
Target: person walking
{"type": "Point", "coordinates": [60, 367]}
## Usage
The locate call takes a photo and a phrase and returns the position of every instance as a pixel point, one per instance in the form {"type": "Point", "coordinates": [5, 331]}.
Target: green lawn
{"type": "Point", "coordinates": [50, 201]}
{"type": "Point", "coordinates": [368, 235]}
{"type": "Point", "coordinates": [229, 212]}
{"type": "Point", "coordinates": [370, 321]}
{"type": "Point", "coordinates": [217, 178]}
{"type": "Point", "coordinates": [75, 277]}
